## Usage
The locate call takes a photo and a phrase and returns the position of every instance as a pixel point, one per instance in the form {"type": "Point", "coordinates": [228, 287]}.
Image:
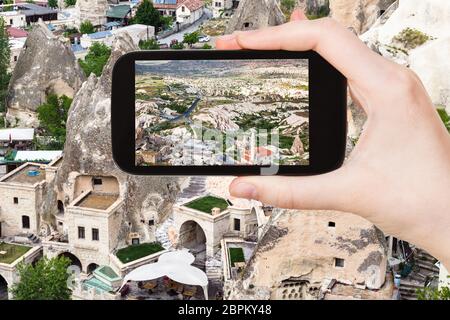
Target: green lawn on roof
{"type": "Point", "coordinates": [138, 251]}
{"type": "Point", "coordinates": [236, 255]}
{"type": "Point", "coordinates": [205, 204]}
{"type": "Point", "coordinates": [13, 252]}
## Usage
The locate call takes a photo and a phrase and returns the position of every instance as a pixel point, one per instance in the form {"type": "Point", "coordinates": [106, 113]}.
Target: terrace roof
{"type": "Point", "coordinates": [29, 174]}
{"type": "Point", "coordinates": [97, 201]}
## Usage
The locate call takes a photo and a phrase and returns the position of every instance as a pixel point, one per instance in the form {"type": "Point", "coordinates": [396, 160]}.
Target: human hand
{"type": "Point", "coordinates": [398, 175]}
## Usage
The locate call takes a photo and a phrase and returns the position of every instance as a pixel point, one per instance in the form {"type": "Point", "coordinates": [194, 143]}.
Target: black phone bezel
{"type": "Point", "coordinates": [327, 113]}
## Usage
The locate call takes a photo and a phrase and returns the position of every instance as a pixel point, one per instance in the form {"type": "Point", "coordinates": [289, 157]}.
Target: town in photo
{"type": "Point", "coordinates": [222, 112]}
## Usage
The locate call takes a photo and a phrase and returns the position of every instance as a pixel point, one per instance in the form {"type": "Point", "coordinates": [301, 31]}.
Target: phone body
{"type": "Point", "coordinates": [159, 97]}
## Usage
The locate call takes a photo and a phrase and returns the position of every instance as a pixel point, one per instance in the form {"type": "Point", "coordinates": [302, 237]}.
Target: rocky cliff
{"type": "Point", "coordinates": [46, 65]}
{"type": "Point", "coordinates": [417, 34]}
{"type": "Point", "coordinates": [88, 152]}
{"type": "Point", "coordinates": [92, 10]}
{"type": "Point", "coordinates": [255, 14]}
{"type": "Point", "coordinates": [358, 14]}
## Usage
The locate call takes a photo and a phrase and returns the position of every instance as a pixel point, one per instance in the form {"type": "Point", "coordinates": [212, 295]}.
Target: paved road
{"type": "Point", "coordinates": [179, 35]}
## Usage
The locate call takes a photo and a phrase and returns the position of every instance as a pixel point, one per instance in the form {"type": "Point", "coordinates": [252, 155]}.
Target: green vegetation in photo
{"type": "Point", "coordinates": [52, 3]}
{"type": "Point", "coordinates": [150, 44]}
{"type": "Point", "coordinates": [322, 12]}
{"type": "Point", "coordinates": [87, 27]}
{"type": "Point", "coordinates": [5, 55]}
{"type": "Point", "coordinates": [206, 204]}
{"type": "Point", "coordinates": [206, 46]}
{"type": "Point", "coordinates": [53, 114]}
{"type": "Point", "coordinates": [411, 38]}
{"type": "Point", "coordinates": [191, 38]}
{"type": "Point", "coordinates": [148, 15]}
{"type": "Point", "coordinates": [236, 255]}
{"type": "Point", "coordinates": [96, 59]}
{"type": "Point", "coordinates": [445, 117]}
{"type": "Point", "coordinates": [70, 3]}
{"type": "Point", "coordinates": [138, 251]}
{"type": "Point", "coordinates": [46, 280]}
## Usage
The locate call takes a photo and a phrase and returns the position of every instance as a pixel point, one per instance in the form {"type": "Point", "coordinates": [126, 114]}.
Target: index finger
{"type": "Point", "coordinates": [333, 42]}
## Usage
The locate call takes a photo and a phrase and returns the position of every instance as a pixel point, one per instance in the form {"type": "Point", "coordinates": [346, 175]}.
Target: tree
{"type": "Point", "coordinates": [5, 55]}
{"type": "Point", "coordinates": [166, 22]}
{"type": "Point", "coordinates": [86, 27]}
{"type": "Point", "coordinates": [53, 114]}
{"type": "Point", "coordinates": [52, 3]}
{"type": "Point", "coordinates": [70, 3]}
{"type": "Point", "coordinates": [148, 15]}
{"type": "Point", "coordinates": [191, 38]}
{"type": "Point", "coordinates": [46, 280]}
{"type": "Point", "coordinates": [96, 59]}
{"type": "Point", "coordinates": [434, 293]}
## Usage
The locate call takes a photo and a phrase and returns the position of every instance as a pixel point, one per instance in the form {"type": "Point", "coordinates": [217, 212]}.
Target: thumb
{"type": "Point", "coordinates": [321, 192]}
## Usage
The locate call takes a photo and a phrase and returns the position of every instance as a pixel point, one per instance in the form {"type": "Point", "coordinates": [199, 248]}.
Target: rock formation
{"type": "Point", "coordinates": [312, 6]}
{"type": "Point", "coordinates": [88, 152]}
{"type": "Point", "coordinates": [430, 59]}
{"type": "Point", "coordinates": [46, 65]}
{"type": "Point", "coordinates": [255, 14]}
{"type": "Point", "coordinates": [358, 14]}
{"type": "Point", "coordinates": [93, 11]}
{"type": "Point", "coordinates": [301, 247]}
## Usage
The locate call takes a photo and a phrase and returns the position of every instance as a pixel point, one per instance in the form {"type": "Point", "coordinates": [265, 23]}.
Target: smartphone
{"type": "Point", "coordinates": [211, 112]}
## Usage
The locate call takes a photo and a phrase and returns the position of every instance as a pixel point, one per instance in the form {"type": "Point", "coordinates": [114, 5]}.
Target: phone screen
{"type": "Point", "coordinates": [221, 112]}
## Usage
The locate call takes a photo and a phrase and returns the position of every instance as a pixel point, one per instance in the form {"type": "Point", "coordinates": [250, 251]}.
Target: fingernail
{"type": "Point", "coordinates": [228, 37]}
{"type": "Point", "coordinates": [244, 190]}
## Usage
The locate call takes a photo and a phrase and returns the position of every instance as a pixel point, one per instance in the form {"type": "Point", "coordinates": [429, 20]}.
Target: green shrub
{"type": "Point", "coordinates": [411, 38]}
{"type": "Point", "coordinates": [207, 46]}
{"type": "Point", "coordinates": [70, 3]}
{"type": "Point", "coordinates": [87, 27]}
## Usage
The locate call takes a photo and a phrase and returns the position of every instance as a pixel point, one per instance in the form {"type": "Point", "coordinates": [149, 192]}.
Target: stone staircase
{"type": "Point", "coordinates": [214, 271]}
{"type": "Point", "coordinates": [161, 233]}
{"type": "Point", "coordinates": [423, 272]}
{"type": "Point", "coordinates": [196, 187]}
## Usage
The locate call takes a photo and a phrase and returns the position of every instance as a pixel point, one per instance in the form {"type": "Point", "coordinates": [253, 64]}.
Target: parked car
{"type": "Point", "coordinates": [204, 38]}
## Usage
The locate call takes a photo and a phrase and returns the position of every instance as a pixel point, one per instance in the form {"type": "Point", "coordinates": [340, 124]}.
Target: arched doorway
{"type": "Point", "coordinates": [192, 236]}
{"type": "Point", "coordinates": [91, 268]}
{"type": "Point", "coordinates": [3, 288]}
{"type": "Point", "coordinates": [74, 261]}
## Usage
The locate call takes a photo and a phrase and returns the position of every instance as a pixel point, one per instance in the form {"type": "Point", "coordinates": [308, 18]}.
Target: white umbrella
{"type": "Point", "coordinates": [177, 265]}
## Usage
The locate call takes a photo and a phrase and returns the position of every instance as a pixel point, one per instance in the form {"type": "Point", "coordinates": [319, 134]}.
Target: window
{"type": "Point", "coordinates": [247, 25]}
{"type": "Point", "coordinates": [237, 224]}
{"type": "Point", "coordinates": [338, 262]}
{"type": "Point", "coordinates": [15, 58]}
{"type": "Point", "coordinates": [11, 21]}
{"type": "Point", "coordinates": [151, 222]}
{"type": "Point", "coordinates": [25, 222]}
{"type": "Point", "coordinates": [331, 224]}
{"type": "Point", "coordinates": [95, 234]}
{"type": "Point", "coordinates": [135, 241]}
{"type": "Point", "coordinates": [183, 9]}
{"type": "Point", "coordinates": [97, 181]}
{"type": "Point", "coordinates": [81, 234]}
{"type": "Point", "coordinates": [16, 200]}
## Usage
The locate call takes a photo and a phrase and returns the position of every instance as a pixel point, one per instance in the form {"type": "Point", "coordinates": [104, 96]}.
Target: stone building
{"type": "Point", "coordinates": [315, 255]}
{"type": "Point", "coordinates": [201, 230]}
{"type": "Point", "coordinates": [21, 195]}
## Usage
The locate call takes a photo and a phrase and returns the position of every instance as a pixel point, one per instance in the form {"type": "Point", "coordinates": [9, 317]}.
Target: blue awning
{"type": "Point", "coordinates": [100, 35]}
